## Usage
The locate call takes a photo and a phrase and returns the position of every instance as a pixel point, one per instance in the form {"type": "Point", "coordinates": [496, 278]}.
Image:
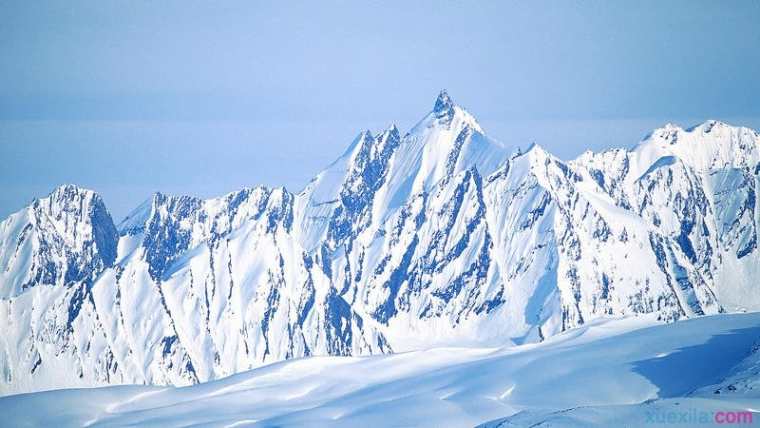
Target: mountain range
{"type": "Point", "coordinates": [437, 237]}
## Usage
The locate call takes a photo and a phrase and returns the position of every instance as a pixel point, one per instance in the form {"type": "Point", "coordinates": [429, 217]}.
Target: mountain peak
{"type": "Point", "coordinates": [62, 239]}
{"type": "Point", "coordinates": [667, 133]}
{"type": "Point", "coordinates": [69, 198]}
{"type": "Point", "coordinates": [533, 152]}
{"type": "Point", "coordinates": [443, 104]}
{"type": "Point", "coordinates": [708, 125]}
{"type": "Point", "coordinates": [69, 191]}
{"type": "Point", "coordinates": [445, 111]}
{"type": "Point", "coordinates": [670, 132]}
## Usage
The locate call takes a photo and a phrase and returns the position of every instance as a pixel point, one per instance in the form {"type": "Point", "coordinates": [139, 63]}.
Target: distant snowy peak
{"type": "Point", "coordinates": [78, 215]}
{"type": "Point", "coordinates": [443, 104]}
{"type": "Point", "coordinates": [710, 146]}
{"type": "Point", "coordinates": [377, 174]}
{"type": "Point", "coordinates": [707, 148]}
{"type": "Point", "coordinates": [449, 114]}
{"type": "Point", "coordinates": [62, 239]}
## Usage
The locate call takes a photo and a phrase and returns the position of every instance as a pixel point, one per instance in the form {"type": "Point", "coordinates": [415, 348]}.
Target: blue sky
{"type": "Point", "coordinates": [203, 98]}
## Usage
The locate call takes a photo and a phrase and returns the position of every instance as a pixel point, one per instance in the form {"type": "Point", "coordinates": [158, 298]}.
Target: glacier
{"type": "Point", "coordinates": [438, 237]}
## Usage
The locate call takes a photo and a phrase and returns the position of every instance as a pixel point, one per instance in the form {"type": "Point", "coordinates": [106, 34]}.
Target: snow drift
{"type": "Point", "coordinates": [607, 373]}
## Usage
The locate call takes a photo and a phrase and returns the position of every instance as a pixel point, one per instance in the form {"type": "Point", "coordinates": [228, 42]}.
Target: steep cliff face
{"type": "Point", "coordinates": [62, 240]}
{"type": "Point", "coordinates": [439, 236]}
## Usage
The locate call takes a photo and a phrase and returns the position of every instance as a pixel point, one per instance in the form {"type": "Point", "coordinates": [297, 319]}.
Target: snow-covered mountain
{"type": "Point", "coordinates": [441, 236]}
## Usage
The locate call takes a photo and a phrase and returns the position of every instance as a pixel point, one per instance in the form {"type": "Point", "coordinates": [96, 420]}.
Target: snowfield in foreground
{"type": "Point", "coordinates": [625, 372]}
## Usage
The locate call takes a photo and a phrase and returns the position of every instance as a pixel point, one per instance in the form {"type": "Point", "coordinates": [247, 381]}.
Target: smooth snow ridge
{"type": "Point", "coordinates": [608, 373]}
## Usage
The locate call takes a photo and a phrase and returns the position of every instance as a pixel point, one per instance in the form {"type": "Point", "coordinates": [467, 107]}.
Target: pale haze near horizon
{"type": "Point", "coordinates": [129, 98]}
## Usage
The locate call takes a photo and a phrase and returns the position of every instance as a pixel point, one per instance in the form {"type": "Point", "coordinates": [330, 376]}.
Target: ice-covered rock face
{"type": "Point", "coordinates": [439, 236]}
{"type": "Point", "coordinates": [61, 240]}
{"type": "Point", "coordinates": [173, 225]}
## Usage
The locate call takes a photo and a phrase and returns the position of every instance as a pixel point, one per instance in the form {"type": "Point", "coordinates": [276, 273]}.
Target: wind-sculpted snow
{"type": "Point", "coordinates": [629, 372]}
{"type": "Point", "coordinates": [440, 236]}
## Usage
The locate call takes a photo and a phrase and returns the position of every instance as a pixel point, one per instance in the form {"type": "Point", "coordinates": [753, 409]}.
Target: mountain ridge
{"type": "Point", "coordinates": [436, 237]}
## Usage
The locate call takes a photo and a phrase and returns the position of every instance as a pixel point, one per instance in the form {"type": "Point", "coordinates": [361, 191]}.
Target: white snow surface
{"type": "Point", "coordinates": [607, 373]}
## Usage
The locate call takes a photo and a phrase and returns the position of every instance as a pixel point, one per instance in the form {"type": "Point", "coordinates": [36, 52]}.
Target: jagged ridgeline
{"type": "Point", "coordinates": [439, 236]}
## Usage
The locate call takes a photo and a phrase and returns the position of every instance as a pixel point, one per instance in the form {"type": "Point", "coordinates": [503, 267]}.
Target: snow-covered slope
{"type": "Point", "coordinates": [200, 289]}
{"type": "Point", "coordinates": [437, 237]}
{"type": "Point", "coordinates": [607, 373]}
